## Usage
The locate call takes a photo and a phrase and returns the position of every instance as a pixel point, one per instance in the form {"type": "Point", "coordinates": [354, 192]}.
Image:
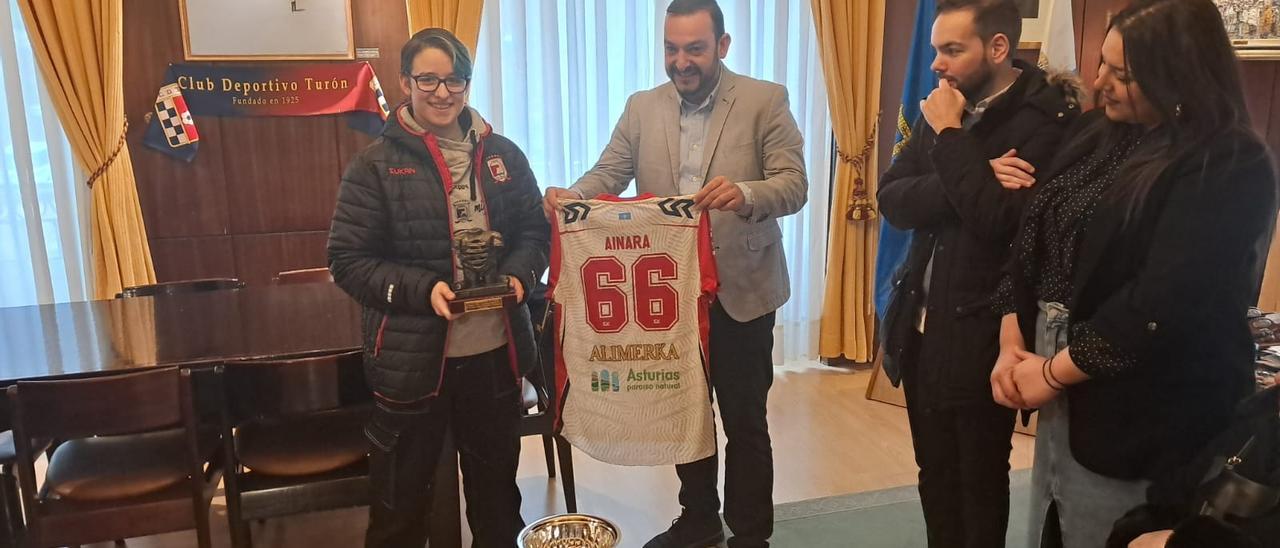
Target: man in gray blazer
{"type": "Point", "coordinates": [732, 143]}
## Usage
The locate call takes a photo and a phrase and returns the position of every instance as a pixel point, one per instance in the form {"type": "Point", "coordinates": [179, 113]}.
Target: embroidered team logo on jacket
{"type": "Point", "coordinates": [498, 169]}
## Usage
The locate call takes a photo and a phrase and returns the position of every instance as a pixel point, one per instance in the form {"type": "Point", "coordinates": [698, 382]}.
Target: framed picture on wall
{"type": "Point", "coordinates": [266, 30]}
{"type": "Point", "coordinates": [1035, 21]}
{"type": "Point", "coordinates": [1253, 26]}
{"type": "Point", "coordinates": [1030, 9]}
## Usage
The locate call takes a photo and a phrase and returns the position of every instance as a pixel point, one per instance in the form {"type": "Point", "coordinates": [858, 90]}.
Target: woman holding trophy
{"type": "Point", "coordinates": [438, 233]}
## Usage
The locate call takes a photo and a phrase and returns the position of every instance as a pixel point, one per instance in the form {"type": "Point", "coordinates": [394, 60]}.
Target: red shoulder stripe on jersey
{"type": "Point", "coordinates": [562, 370]}
{"type": "Point", "coordinates": [707, 256]}
{"type": "Point", "coordinates": [704, 337]}
{"type": "Point", "coordinates": [556, 257]}
{"type": "Point", "coordinates": [710, 280]}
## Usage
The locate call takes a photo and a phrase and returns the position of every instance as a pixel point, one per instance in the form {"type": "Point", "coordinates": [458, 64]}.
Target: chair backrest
{"type": "Point", "coordinates": [542, 313]}
{"type": "Point", "coordinates": [294, 386]}
{"type": "Point", "coordinates": [117, 404]}
{"type": "Point", "coordinates": [100, 406]}
{"type": "Point", "coordinates": [303, 276]}
{"type": "Point", "coordinates": [186, 286]}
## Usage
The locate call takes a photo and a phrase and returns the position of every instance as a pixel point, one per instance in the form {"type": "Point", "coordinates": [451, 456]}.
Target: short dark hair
{"type": "Point", "coordinates": [442, 40]}
{"type": "Point", "coordinates": [690, 7]}
{"type": "Point", "coordinates": [991, 17]}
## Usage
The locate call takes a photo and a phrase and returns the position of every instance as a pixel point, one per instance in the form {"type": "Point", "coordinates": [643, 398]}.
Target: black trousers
{"type": "Point", "coordinates": [741, 374]}
{"type": "Point", "coordinates": [407, 445]}
{"type": "Point", "coordinates": [963, 454]}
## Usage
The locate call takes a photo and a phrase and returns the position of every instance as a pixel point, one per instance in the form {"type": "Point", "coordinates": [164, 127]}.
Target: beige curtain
{"type": "Point", "coordinates": [851, 42]}
{"type": "Point", "coordinates": [462, 17]}
{"type": "Point", "coordinates": [78, 45]}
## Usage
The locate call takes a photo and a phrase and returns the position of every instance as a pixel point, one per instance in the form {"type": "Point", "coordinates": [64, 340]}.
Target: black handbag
{"type": "Point", "coordinates": [1229, 494]}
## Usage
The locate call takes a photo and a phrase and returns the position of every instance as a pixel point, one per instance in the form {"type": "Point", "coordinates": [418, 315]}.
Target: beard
{"type": "Point", "coordinates": [976, 87]}
{"type": "Point", "coordinates": [705, 81]}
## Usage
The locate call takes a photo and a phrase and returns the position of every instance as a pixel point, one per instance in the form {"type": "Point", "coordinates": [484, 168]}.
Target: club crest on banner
{"type": "Point", "coordinates": [382, 99]}
{"type": "Point", "coordinates": [175, 120]}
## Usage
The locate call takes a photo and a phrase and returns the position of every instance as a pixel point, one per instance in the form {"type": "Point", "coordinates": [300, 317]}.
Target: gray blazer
{"type": "Point", "coordinates": [753, 140]}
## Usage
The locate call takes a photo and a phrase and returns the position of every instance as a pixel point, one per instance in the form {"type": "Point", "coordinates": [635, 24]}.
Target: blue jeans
{"type": "Point", "coordinates": [1086, 505]}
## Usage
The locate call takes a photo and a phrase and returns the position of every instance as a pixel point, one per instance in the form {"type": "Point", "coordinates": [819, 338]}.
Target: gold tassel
{"type": "Point", "coordinates": [859, 207]}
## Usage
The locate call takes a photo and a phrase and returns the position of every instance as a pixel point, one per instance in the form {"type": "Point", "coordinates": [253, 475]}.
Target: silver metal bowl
{"type": "Point", "coordinates": [570, 531]}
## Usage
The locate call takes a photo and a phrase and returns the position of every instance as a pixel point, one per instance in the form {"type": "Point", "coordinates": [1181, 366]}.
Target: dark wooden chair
{"type": "Point", "coordinates": [303, 276]}
{"type": "Point", "coordinates": [11, 508]}
{"type": "Point", "coordinates": [539, 419]}
{"type": "Point", "coordinates": [136, 457]}
{"type": "Point", "coordinates": [185, 286]}
{"type": "Point", "coordinates": [293, 432]}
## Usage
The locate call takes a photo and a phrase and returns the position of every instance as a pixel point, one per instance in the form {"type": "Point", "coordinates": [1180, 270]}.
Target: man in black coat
{"type": "Point", "coordinates": [960, 183]}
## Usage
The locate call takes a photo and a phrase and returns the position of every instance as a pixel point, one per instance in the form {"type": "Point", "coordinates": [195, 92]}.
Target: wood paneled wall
{"type": "Point", "coordinates": [259, 195]}
{"type": "Point", "coordinates": [1260, 80]}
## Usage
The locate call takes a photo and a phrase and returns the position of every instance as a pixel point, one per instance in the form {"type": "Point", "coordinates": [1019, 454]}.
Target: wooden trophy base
{"type": "Point", "coordinates": [482, 298]}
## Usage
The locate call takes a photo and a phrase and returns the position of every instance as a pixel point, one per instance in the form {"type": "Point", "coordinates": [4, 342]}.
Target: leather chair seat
{"type": "Point", "coordinates": [8, 454]}
{"type": "Point", "coordinates": [116, 467]}
{"type": "Point", "coordinates": [528, 394]}
{"type": "Point", "coordinates": [301, 446]}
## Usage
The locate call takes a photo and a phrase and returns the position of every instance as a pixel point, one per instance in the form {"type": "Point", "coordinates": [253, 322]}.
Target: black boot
{"type": "Point", "coordinates": [690, 531]}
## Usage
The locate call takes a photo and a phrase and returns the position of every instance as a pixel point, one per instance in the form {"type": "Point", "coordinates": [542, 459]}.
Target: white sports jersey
{"type": "Point", "coordinates": [632, 282]}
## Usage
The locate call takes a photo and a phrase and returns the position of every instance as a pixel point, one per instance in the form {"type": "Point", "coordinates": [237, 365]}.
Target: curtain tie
{"type": "Point", "coordinates": [102, 169]}
{"type": "Point", "coordinates": [860, 208]}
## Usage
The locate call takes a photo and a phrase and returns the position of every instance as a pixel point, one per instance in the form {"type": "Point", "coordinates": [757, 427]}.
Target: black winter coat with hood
{"type": "Point", "coordinates": [943, 188]}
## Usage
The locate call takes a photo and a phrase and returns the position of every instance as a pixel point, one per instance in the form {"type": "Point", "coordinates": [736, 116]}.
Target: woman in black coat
{"type": "Point", "coordinates": [1134, 265]}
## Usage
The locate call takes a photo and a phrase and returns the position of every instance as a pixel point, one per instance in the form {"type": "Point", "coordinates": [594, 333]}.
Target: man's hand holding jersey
{"type": "Point", "coordinates": [551, 200]}
{"type": "Point", "coordinates": [720, 194]}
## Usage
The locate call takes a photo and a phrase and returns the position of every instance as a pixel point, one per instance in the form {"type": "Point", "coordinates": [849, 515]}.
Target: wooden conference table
{"type": "Point", "coordinates": [82, 339]}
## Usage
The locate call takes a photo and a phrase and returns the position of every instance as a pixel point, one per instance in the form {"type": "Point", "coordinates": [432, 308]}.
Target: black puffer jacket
{"type": "Point", "coordinates": [390, 243]}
